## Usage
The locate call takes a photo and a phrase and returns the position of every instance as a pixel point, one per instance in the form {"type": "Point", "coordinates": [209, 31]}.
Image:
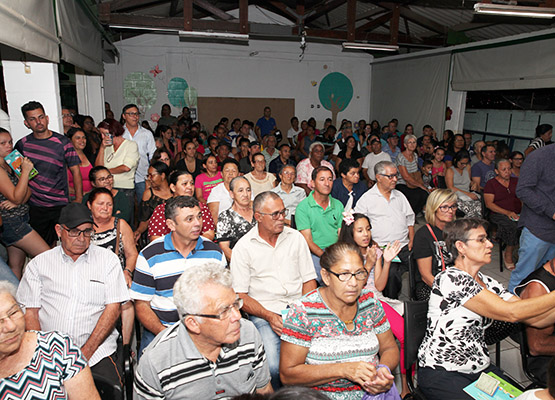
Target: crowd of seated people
{"type": "Point", "coordinates": [284, 250]}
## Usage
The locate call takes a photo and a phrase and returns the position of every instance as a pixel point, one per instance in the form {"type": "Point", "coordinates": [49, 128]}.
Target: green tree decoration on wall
{"type": "Point", "coordinates": [335, 93]}
{"type": "Point", "coordinates": [139, 89]}
{"type": "Point", "coordinates": [191, 96]}
{"type": "Point", "coordinates": [176, 92]}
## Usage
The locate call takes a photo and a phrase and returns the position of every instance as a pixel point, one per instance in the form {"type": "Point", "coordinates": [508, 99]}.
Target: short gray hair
{"type": "Point", "coordinates": [313, 145]}
{"type": "Point", "coordinates": [379, 168]}
{"type": "Point", "coordinates": [261, 198]}
{"type": "Point", "coordinates": [188, 291]}
{"type": "Point", "coordinates": [8, 287]}
{"type": "Point", "coordinates": [407, 138]}
{"type": "Point", "coordinates": [501, 161]}
{"type": "Point", "coordinates": [236, 179]}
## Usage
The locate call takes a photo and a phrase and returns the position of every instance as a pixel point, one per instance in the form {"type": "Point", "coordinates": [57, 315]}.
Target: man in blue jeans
{"type": "Point", "coordinates": [271, 267]}
{"type": "Point", "coordinates": [536, 189]}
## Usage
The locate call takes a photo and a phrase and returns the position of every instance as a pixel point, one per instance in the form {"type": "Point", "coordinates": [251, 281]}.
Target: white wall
{"type": "Point", "coordinates": [265, 69]}
{"type": "Point", "coordinates": [40, 83]}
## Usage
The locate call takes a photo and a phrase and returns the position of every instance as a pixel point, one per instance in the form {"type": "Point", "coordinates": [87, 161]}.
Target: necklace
{"type": "Point", "coordinates": [348, 322]}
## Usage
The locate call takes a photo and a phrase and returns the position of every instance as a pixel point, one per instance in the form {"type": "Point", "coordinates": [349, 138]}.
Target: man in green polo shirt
{"type": "Point", "coordinates": [318, 217]}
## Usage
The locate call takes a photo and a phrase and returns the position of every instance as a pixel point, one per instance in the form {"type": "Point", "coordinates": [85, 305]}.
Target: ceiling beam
{"type": "Point", "coordinates": [244, 16]}
{"type": "Point", "coordinates": [213, 10]}
{"type": "Point", "coordinates": [373, 37]}
{"type": "Point", "coordinates": [188, 15]}
{"type": "Point", "coordinates": [173, 23]}
{"type": "Point", "coordinates": [351, 19]}
{"type": "Point", "coordinates": [417, 18]}
{"type": "Point", "coordinates": [394, 26]}
{"type": "Point", "coordinates": [321, 9]}
{"type": "Point", "coordinates": [285, 10]}
{"type": "Point", "coordinates": [370, 25]}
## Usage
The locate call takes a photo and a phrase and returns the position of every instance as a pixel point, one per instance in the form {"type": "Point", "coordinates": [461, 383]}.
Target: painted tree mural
{"type": "Point", "coordinates": [139, 89]}
{"type": "Point", "coordinates": [176, 92]}
{"type": "Point", "coordinates": [335, 93]}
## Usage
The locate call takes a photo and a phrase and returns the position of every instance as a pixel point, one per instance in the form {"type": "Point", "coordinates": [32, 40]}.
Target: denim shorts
{"type": "Point", "coordinates": [14, 229]}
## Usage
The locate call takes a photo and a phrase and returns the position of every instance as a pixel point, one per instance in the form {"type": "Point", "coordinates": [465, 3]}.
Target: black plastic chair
{"type": "Point", "coordinates": [106, 389]}
{"type": "Point", "coordinates": [524, 357]}
{"type": "Point", "coordinates": [416, 315]}
{"type": "Point", "coordinates": [413, 267]}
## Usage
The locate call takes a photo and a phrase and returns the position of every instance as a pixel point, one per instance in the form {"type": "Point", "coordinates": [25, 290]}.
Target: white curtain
{"type": "Point", "coordinates": [29, 26]}
{"type": "Point", "coordinates": [413, 90]}
{"type": "Point", "coordinates": [525, 65]}
{"type": "Point", "coordinates": [80, 40]}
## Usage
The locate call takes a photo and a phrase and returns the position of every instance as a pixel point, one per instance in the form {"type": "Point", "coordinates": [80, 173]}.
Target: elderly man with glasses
{"type": "Point", "coordinates": [271, 267]}
{"type": "Point", "coordinates": [391, 218]}
{"type": "Point", "coordinates": [77, 289]}
{"type": "Point", "coordinates": [211, 353]}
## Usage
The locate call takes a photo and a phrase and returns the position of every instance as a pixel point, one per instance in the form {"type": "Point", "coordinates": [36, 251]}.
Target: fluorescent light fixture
{"type": "Point", "coordinates": [515, 11]}
{"type": "Point", "coordinates": [142, 28]}
{"type": "Point", "coordinates": [370, 46]}
{"type": "Point", "coordinates": [214, 35]}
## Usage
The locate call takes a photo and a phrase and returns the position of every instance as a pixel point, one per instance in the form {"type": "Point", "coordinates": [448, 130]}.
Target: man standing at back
{"type": "Point", "coordinates": [52, 154]}
{"type": "Point", "coordinates": [265, 124]}
{"type": "Point", "coordinates": [145, 141]}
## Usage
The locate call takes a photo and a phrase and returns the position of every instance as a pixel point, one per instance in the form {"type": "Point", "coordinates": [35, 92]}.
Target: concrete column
{"type": "Point", "coordinates": [32, 81]}
{"type": "Point", "coordinates": [90, 95]}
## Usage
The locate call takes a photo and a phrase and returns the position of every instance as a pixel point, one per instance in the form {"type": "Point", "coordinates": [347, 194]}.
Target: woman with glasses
{"type": "Point", "coordinates": [458, 179]}
{"type": "Point", "coordinates": [158, 192]}
{"type": "Point", "coordinates": [429, 249]}
{"type": "Point", "coordinates": [236, 221]}
{"type": "Point", "coordinates": [454, 353]}
{"type": "Point", "coordinates": [516, 158]}
{"type": "Point", "coordinates": [337, 338]}
{"type": "Point", "coordinates": [34, 363]}
{"type": "Point", "coordinates": [120, 156]}
{"type": "Point", "coordinates": [20, 239]}
{"type": "Point", "coordinates": [101, 177]}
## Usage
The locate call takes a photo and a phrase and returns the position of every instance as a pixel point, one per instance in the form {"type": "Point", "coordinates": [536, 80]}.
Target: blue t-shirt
{"type": "Point", "coordinates": [484, 172]}
{"type": "Point", "coordinates": [265, 125]}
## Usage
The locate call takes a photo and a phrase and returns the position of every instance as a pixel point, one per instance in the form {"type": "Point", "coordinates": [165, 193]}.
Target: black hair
{"type": "Point", "coordinates": [543, 128]}
{"type": "Point", "coordinates": [230, 161]}
{"type": "Point", "coordinates": [335, 254]}
{"type": "Point", "coordinates": [30, 106]}
{"type": "Point", "coordinates": [176, 203]}
{"type": "Point", "coordinates": [174, 175]}
{"type": "Point", "coordinates": [72, 131]}
{"type": "Point", "coordinates": [347, 164]}
{"type": "Point", "coordinates": [316, 171]}
{"type": "Point", "coordinates": [160, 167]}
{"type": "Point", "coordinates": [97, 192]}
{"type": "Point", "coordinates": [460, 155]}
{"type": "Point", "coordinates": [347, 230]}
{"type": "Point", "coordinates": [95, 170]}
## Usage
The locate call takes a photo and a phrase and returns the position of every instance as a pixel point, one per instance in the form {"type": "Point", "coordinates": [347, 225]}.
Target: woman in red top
{"type": "Point", "coordinates": [500, 198]}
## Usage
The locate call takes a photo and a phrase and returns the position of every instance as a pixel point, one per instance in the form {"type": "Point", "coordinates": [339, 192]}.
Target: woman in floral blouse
{"type": "Point", "coordinates": [337, 338]}
{"type": "Point", "coordinates": [454, 353]}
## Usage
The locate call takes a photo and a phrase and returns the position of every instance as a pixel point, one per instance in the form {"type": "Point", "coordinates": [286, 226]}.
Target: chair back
{"type": "Point", "coordinates": [413, 267]}
{"type": "Point", "coordinates": [416, 316]}
{"type": "Point", "coordinates": [106, 389]}
{"type": "Point", "coordinates": [524, 357]}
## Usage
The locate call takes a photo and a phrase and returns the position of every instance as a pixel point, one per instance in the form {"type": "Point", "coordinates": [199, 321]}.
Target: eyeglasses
{"type": "Point", "coordinates": [76, 232]}
{"type": "Point", "coordinates": [444, 208]}
{"type": "Point", "coordinates": [133, 114]}
{"type": "Point", "coordinates": [67, 115]}
{"type": "Point", "coordinates": [150, 176]}
{"type": "Point", "coordinates": [106, 178]}
{"type": "Point", "coordinates": [225, 314]}
{"type": "Point", "coordinates": [481, 239]}
{"type": "Point", "coordinates": [518, 159]}
{"type": "Point", "coordinates": [276, 214]}
{"type": "Point", "coordinates": [15, 313]}
{"type": "Point", "coordinates": [391, 176]}
{"type": "Point", "coordinates": [346, 276]}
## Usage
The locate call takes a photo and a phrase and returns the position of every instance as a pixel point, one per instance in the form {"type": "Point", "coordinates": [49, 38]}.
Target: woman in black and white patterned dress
{"type": "Point", "coordinates": [453, 352]}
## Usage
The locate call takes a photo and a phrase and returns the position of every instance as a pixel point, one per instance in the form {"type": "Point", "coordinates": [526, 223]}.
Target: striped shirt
{"type": "Point", "coordinates": [72, 296]}
{"type": "Point", "coordinates": [51, 157]}
{"type": "Point", "coordinates": [172, 367]}
{"type": "Point", "coordinates": [160, 265]}
{"type": "Point", "coordinates": [55, 360]}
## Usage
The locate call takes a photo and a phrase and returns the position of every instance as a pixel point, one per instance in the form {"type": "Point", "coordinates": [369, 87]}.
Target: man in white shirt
{"type": "Point", "coordinates": [77, 289]}
{"type": "Point", "coordinates": [372, 159]}
{"type": "Point", "coordinates": [145, 141]}
{"type": "Point", "coordinates": [271, 267]}
{"type": "Point", "coordinates": [392, 219]}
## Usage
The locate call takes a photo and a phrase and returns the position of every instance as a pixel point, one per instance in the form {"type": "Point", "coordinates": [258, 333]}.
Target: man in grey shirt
{"type": "Point", "coordinates": [211, 353]}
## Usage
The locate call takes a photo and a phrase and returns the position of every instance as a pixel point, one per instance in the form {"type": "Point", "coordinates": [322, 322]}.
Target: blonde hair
{"type": "Point", "coordinates": [436, 199]}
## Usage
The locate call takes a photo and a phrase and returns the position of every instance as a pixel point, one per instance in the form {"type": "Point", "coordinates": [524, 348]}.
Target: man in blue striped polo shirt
{"type": "Point", "coordinates": [163, 261]}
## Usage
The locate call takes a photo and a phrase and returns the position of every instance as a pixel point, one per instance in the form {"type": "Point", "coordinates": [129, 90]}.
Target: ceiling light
{"type": "Point", "coordinates": [515, 11]}
{"type": "Point", "coordinates": [370, 46]}
{"type": "Point", "coordinates": [214, 35]}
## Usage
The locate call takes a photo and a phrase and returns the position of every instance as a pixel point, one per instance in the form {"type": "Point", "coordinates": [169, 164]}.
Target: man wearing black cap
{"type": "Point", "coordinates": [77, 289]}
